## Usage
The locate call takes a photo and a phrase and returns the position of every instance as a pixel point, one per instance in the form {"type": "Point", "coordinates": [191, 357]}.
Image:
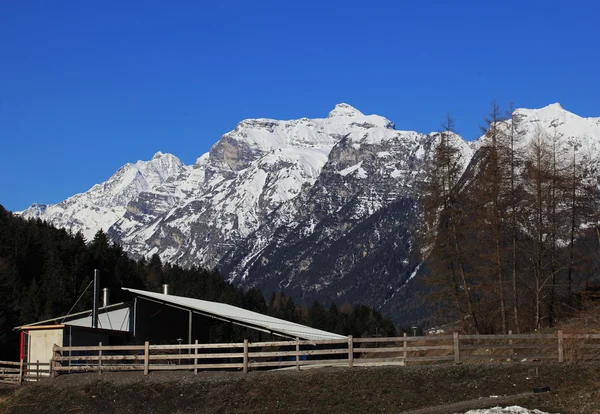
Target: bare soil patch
{"type": "Point", "coordinates": [431, 389]}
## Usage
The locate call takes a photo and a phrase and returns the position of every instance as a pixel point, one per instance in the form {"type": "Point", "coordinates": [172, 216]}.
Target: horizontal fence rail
{"type": "Point", "coordinates": [17, 372]}
{"type": "Point", "coordinates": [290, 354]}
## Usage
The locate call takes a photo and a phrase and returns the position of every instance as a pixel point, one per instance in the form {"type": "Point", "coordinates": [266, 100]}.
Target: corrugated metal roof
{"type": "Point", "coordinates": [242, 316]}
{"type": "Point", "coordinates": [112, 317]}
{"type": "Point", "coordinates": [114, 320]}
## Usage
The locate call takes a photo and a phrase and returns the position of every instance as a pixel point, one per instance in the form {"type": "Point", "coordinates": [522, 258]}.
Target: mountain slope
{"type": "Point", "coordinates": [351, 237]}
{"type": "Point", "coordinates": [322, 208]}
{"type": "Point", "coordinates": [194, 214]}
{"type": "Point", "coordinates": [104, 204]}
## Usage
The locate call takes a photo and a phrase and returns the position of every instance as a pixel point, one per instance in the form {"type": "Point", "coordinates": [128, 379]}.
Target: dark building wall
{"type": "Point", "coordinates": [75, 336]}
{"type": "Point", "coordinates": [164, 324]}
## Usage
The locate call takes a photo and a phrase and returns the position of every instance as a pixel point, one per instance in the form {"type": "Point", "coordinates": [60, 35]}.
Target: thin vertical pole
{"type": "Point", "coordinates": [297, 354]}
{"type": "Point", "coordinates": [191, 316]}
{"type": "Point", "coordinates": [70, 345]}
{"type": "Point", "coordinates": [22, 345]}
{"type": "Point", "coordinates": [146, 357]}
{"type": "Point", "coordinates": [100, 358]}
{"type": "Point", "coordinates": [350, 352]}
{"type": "Point", "coordinates": [456, 348]}
{"type": "Point", "coordinates": [561, 350]}
{"type": "Point", "coordinates": [21, 372]}
{"type": "Point", "coordinates": [196, 357]}
{"type": "Point", "coordinates": [190, 320]}
{"type": "Point", "coordinates": [95, 304]}
{"type": "Point", "coordinates": [405, 345]}
{"type": "Point", "coordinates": [510, 342]}
{"type": "Point", "coordinates": [134, 314]}
{"type": "Point", "coordinates": [54, 362]}
{"type": "Point", "coordinates": [245, 356]}
{"type": "Point", "coordinates": [37, 369]}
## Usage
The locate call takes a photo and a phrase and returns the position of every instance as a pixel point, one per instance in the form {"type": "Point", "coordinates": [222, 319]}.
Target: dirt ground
{"type": "Point", "coordinates": [432, 389]}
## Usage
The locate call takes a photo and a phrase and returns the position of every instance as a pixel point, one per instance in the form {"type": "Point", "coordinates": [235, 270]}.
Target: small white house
{"type": "Point", "coordinates": [37, 339]}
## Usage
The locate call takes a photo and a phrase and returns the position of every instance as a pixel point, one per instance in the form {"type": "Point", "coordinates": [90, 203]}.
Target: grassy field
{"type": "Point", "coordinates": [431, 389]}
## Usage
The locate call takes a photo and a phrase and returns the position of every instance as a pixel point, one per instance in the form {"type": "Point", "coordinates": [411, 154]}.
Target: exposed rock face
{"type": "Point", "coordinates": [348, 237]}
{"type": "Point", "coordinates": [321, 208]}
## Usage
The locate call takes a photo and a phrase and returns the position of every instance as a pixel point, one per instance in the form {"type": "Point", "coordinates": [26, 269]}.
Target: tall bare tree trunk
{"type": "Point", "coordinates": [495, 178]}
{"type": "Point", "coordinates": [449, 127]}
{"type": "Point", "coordinates": [540, 172]}
{"type": "Point", "coordinates": [501, 287]}
{"type": "Point", "coordinates": [456, 290]}
{"type": "Point", "coordinates": [463, 276]}
{"type": "Point", "coordinates": [441, 211]}
{"type": "Point", "coordinates": [514, 132]}
{"type": "Point", "coordinates": [539, 260]}
{"type": "Point", "coordinates": [553, 236]}
{"type": "Point", "coordinates": [514, 281]}
{"type": "Point", "coordinates": [572, 230]}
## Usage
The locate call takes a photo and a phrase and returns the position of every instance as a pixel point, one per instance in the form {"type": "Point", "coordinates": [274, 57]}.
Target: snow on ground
{"type": "Point", "coordinates": [515, 409]}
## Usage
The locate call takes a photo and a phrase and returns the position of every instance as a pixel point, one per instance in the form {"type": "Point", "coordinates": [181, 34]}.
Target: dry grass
{"type": "Point", "coordinates": [345, 390]}
{"type": "Point", "coordinates": [585, 322]}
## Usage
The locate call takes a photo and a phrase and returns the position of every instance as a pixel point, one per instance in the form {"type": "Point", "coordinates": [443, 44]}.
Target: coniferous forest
{"type": "Point", "coordinates": [44, 270]}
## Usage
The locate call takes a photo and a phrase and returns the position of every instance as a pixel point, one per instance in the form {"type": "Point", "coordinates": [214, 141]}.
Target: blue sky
{"type": "Point", "coordinates": [88, 86]}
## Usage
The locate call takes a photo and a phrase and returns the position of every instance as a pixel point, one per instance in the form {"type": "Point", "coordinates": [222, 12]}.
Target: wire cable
{"type": "Point", "coordinates": [76, 302]}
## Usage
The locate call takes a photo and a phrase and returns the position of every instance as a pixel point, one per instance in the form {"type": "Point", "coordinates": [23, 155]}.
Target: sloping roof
{"type": "Point", "coordinates": [112, 317]}
{"type": "Point", "coordinates": [241, 316]}
{"type": "Point", "coordinates": [79, 318]}
{"type": "Point", "coordinates": [114, 320]}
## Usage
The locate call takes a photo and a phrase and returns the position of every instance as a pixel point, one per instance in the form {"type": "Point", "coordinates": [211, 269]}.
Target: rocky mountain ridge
{"type": "Point", "coordinates": [322, 208]}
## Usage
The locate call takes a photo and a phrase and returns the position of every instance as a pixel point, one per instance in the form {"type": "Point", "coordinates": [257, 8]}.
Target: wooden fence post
{"type": "Point", "coordinates": [297, 354]}
{"type": "Point", "coordinates": [37, 368]}
{"type": "Point", "coordinates": [54, 362]}
{"type": "Point", "coordinates": [146, 357]}
{"type": "Point", "coordinates": [561, 350]}
{"type": "Point", "coordinates": [456, 348]}
{"type": "Point", "coordinates": [21, 372]}
{"type": "Point", "coordinates": [100, 358]}
{"type": "Point", "coordinates": [510, 342]}
{"type": "Point", "coordinates": [245, 356]}
{"type": "Point", "coordinates": [350, 352]}
{"type": "Point", "coordinates": [405, 345]}
{"type": "Point", "coordinates": [196, 358]}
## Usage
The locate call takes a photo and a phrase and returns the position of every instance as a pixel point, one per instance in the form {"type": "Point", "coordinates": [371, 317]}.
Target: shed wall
{"type": "Point", "coordinates": [41, 343]}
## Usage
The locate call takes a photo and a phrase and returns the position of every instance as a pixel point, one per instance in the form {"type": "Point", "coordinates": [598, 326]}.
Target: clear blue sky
{"type": "Point", "coordinates": [88, 86]}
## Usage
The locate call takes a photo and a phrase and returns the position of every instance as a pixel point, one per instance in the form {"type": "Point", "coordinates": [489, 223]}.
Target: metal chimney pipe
{"type": "Point", "coordinates": [165, 289]}
{"type": "Point", "coordinates": [105, 297]}
{"type": "Point", "coordinates": [95, 304]}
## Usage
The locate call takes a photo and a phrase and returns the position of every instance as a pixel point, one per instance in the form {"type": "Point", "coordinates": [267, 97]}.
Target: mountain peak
{"type": "Point", "coordinates": [158, 155]}
{"type": "Point", "coordinates": [343, 109]}
{"type": "Point", "coordinates": [550, 112]}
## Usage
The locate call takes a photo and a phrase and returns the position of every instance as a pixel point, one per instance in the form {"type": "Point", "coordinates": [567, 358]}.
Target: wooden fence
{"type": "Point", "coordinates": [17, 372]}
{"type": "Point", "coordinates": [246, 356]}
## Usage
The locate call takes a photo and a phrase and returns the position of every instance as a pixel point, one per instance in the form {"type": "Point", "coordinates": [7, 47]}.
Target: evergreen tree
{"type": "Point", "coordinates": [317, 316]}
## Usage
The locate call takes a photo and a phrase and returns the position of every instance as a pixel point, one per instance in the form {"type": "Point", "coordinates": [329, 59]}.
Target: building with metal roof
{"type": "Point", "coordinates": [159, 318]}
{"type": "Point", "coordinates": [234, 315]}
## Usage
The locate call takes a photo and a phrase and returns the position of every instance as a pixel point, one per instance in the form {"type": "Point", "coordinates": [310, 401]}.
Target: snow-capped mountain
{"type": "Point", "coordinates": [104, 204]}
{"type": "Point", "coordinates": [195, 214]}
{"type": "Point", "coordinates": [349, 236]}
{"type": "Point", "coordinates": [322, 208]}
